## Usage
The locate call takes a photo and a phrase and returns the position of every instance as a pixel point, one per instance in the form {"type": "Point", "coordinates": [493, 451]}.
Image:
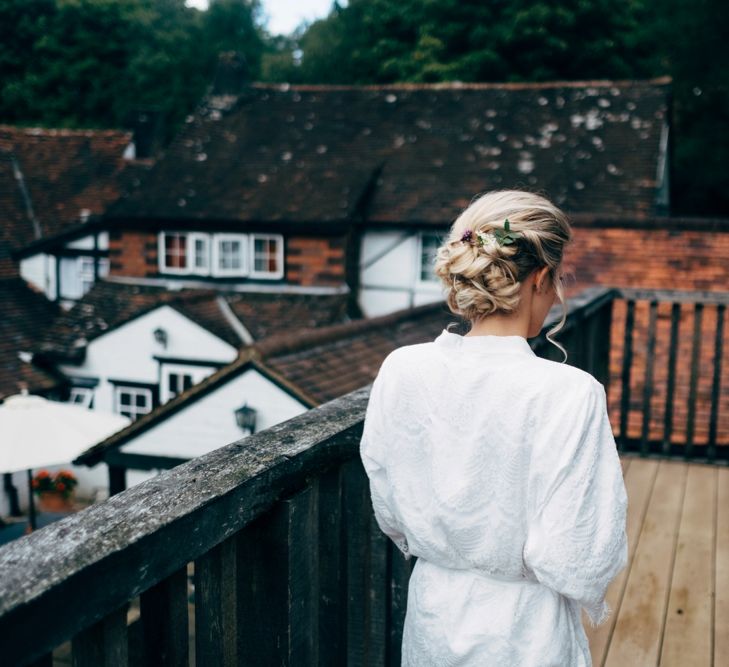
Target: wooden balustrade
{"type": "Point", "coordinates": [289, 565]}
{"type": "Point", "coordinates": [689, 360]}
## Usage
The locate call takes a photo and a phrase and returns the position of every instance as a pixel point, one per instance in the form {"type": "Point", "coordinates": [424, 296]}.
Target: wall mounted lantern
{"type": "Point", "coordinates": [160, 335]}
{"type": "Point", "coordinates": [245, 417]}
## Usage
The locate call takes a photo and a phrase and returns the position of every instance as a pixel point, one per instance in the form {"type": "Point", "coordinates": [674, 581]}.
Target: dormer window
{"type": "Point", "coordinates": [222, 255]}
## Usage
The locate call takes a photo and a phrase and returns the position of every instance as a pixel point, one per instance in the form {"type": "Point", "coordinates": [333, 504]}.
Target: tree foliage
{"type": "Point", "coordinates": [92, 63]}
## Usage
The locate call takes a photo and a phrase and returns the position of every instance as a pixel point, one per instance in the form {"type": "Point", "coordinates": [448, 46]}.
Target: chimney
{"type": "Point", "coordinates": [232, 75]}
{"type": "Point", "coordinates": [146, 126]}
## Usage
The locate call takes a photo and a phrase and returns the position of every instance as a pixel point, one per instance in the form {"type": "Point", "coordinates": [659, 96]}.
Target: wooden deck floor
{"type": "Point", "coordinates": [671, 603]}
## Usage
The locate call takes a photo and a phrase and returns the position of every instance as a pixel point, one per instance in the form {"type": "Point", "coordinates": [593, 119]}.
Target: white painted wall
{"type": "Point", "coordinates": [127, 353]}
{"type": "Point", "coordinates": [392, 282]}
{"type": "Point", "coordinates": [209, 423]}
{"type": "Point", "coordinates": [40, 271]}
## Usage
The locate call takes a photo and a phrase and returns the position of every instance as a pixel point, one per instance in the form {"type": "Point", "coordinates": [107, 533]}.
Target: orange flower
{"type": "Point", "coordinates": [36, 483]}
{"type": "Point", "coordinates": [43, 473]}
{"type": "Point", "coordinates": [60, 486]}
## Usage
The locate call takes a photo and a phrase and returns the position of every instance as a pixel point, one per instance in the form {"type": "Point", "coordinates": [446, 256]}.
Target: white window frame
{"type": "Point", "coordinates": [86, 394]}
{"type": "Point", "coordinates": [433, 281]}
{"type": "Point", "coordinates": [190, 255]}
{"type": "Point", "coordinates": [270, 275]}
{"type": "Point", "coordinates": [167, 373]}
{"type": "Point", "coordinates": [245, 252]}
{"type": "Point", "coordinates": [192, 237]}
{"type": "Point", "coordinates": [86, 278]}
{"type": "Point", "coordinates": [134, 391]}
{"type": "Point", "coordinates": [161, 255]}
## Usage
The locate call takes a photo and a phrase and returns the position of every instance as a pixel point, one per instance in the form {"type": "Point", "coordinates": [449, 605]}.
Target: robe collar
{"type": "Point", "coordinates": [486, 343]}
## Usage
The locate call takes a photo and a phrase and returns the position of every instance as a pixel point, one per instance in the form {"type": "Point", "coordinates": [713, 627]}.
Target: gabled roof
{"type": "Point", "coordinates": [24, 316]}
{"type": "Point", "coordinates": [51, 179]}
{"type": "Point", "coordinates": [228, 315]}
{"type": "Point", "coordinates": [413, 153]}
{"type": "Point", "coordinates": [313, 366]}
{"type": "Point", "coordinates": [332, 361]}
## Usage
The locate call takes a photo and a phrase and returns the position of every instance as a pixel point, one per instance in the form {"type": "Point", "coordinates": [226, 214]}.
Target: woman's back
{"type": "Point", "coordinates": [487, 463]}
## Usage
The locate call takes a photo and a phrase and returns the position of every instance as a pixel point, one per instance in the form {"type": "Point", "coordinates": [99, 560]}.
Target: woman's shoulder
{"type": "Point", "coordinates": [566, 377]}
{"type": "Point", "coordinates": [403, 357]}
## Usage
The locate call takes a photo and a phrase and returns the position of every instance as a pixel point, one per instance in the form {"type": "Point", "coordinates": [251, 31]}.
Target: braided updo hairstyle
{"type": "Point", "coordinates": [482, 280]}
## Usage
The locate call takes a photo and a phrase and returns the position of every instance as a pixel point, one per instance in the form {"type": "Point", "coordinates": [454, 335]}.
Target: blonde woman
{"type": "Point", "coordinates": [495, 467]}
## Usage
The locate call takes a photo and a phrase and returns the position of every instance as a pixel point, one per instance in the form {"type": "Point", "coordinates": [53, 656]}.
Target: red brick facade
{"type": "Point", "coordinates": [315, 261]}
{"type": "Point", "coordinates": [680, 259]}
{"type": "Point", "coordinates": [133, 254]}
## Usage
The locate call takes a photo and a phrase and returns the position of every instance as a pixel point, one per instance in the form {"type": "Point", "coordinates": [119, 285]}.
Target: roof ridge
{"type": "Point", "coordinates": [279, 344]}
{"type": "Point", "coordinates": [461, 85]}
{"type": "Point", "coordinates": [37, 130]}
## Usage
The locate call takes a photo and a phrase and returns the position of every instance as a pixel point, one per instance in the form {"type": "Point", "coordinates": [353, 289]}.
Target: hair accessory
{"type": "Point", "coordinates": [493, 237]}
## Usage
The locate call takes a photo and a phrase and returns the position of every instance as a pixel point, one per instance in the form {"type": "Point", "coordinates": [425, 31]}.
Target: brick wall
{"type": "Point", "coordinates": [315, 261]}
{"type": "Point", "coordinates": [133, 253]}
{"type": "Point", "coordinates": [681, 259]}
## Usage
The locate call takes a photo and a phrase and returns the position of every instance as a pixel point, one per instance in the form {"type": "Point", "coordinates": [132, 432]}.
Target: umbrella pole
{"type": "Point", "coordinates": [31, 504]}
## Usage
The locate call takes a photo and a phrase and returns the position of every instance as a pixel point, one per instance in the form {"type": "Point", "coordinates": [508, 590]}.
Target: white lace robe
{"type": "Point", "coordinates": [499, 471]}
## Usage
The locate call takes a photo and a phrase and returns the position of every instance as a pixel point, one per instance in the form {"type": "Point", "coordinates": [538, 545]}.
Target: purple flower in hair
{"type": "Point", "coordinates": [467, 236]}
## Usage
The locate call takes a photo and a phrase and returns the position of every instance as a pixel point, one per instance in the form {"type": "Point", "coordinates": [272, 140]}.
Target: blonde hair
{"type": "Point", "coordinates": [484, 280]}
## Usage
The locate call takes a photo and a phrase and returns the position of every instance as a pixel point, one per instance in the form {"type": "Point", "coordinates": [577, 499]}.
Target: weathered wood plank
{"type": "Point", "coordinates": [636, 639]}
{"type": "Point", "coordinates": [721, 583]}
{"type": "Point", "coordinates": [358, 508]}
{"type": "Point", "coordinates": [378, 594]}
{"type": "Point", "coordinates": [215, 606]}
{"type": "Point", "coordinates": [625, 377]}
{"type": "Point", "coordinates": [688, 637]}
{"type": "Point", "coordinates": [671, 383]}
{"type": "Point", "coordinates": [682, 296]}
{"type": "Point", "coordinates": [693, 379]}
{"type": "Point", "coordinates": [277, 580]}
{"type": "Point", "coordinates": [164, 618]}
{"type": "Point", "coordinates": [401, 570]}
{"type": "Point", "coordinates": [716, 380]}
{"type": "Point", "coordinates": [332, 555]}
{"type": "Point", "coordinates": [648, 379]}
{"type": "Point", "coordinates": [639, 481]}
{"type": "Point", "coordinates": [104, 644]}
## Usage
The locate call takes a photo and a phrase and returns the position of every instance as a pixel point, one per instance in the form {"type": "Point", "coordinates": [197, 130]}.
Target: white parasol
{"type": "Point", "coordinates": [36, 432]}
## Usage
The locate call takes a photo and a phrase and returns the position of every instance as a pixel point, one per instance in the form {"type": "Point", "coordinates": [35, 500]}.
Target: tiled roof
{"type": "Point", "coordinates": [53, 175]}
{"type": "Point", "coordinates": [307, 154]}
{"type": "Point", "coordinates": [333, 361]}
{"type": "Point", "coordinates": [110, 304]}
{"type": "Point", "coordinates": [25, 314]}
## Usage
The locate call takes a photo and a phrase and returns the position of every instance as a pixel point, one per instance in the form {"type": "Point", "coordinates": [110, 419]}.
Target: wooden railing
{"type": "Point", "coordinates": [667, 387]}
{"type": "Point", "coordinates": [287, 562]}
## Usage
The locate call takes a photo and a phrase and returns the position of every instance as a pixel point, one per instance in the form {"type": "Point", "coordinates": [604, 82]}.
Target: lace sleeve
{"type": "Point", "coordinates": [373, 452]}
{"type": "Point", "coordinates": [576, 542]}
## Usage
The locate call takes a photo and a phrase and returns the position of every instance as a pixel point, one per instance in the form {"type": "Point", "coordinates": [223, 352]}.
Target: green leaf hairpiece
{"type": "Point", "coordinates": [505, 236]}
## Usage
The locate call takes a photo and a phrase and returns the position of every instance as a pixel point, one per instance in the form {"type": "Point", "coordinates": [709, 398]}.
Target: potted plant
{"type": "Point", "coordinates": [55, 492]}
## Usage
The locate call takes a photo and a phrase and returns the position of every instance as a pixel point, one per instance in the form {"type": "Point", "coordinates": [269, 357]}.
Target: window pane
{"type": "Point", "coordinates": [186, 382]}
{"type": "Point", "coordinates": [173, 384]}
{"type": "Point", "coordinates": [175, 251]}
{"type": "Point", "coordinates": [231, 255]}
{"type": "Point", "coordinates": [201, 254]}
{"type": "Point", "coordinates": [141, 400]}
{"type": "Point", "coordinates": [125, 398]}
{"type": "Point", "coordinates": [265, 258]}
